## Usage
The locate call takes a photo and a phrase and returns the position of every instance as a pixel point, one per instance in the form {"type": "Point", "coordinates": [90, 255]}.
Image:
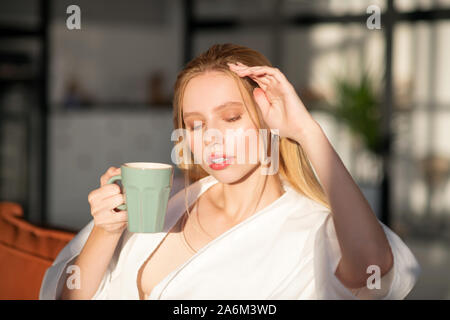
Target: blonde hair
{"type": "Point", "coordinates": [294, 165]}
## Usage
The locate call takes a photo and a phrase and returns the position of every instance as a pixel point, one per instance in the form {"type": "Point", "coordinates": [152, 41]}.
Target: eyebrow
{"type": "Point", "coordinates": [218, 108]}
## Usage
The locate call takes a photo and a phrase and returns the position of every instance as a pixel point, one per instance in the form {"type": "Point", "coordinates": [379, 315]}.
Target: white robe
{"type": "Point", "coordinates": [287, 250]}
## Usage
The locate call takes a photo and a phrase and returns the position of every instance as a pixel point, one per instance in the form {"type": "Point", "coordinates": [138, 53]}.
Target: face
{"type": "Point", "coordinates": [221, 134]}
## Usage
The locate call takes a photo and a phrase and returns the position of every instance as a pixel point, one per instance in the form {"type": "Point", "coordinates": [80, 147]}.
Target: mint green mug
{"type": "Point", "coordinates": [146, 186]}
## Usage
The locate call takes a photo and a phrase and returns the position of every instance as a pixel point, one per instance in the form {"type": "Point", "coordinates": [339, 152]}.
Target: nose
{"type": "Point", "coordinates": [213, 139]}
{"type": "Point", "coordinates": [213, 136]}
{"type": "Point", "coordinates": [213, 133]}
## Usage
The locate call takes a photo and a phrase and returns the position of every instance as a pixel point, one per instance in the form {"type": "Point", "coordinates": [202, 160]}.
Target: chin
{"type": "Point", "coordinates": [233, 173]}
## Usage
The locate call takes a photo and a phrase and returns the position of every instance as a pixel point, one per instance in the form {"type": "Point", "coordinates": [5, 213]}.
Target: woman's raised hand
{"type": "Point", "coordinates": [103, 202]}
{"type": "Point", "coordinates": [278, 101]}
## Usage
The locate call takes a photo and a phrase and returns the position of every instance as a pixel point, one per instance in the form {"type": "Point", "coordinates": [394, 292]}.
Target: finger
{"type": "Point", "coordinates": [261, 100]}
{"type": "Point", "coordinates": [264, 78]}
{"type": "Point", "coordinates": [105, 219]}
{"type": "Point", "coordinates": [263, 86]}
{"type": "Point", "coordinates": [259, 70]}
{"type": "Point", "coordinates": [263, 74]}
{"type": "Point", "coordinates": [121, 216]}
{"type": "Point", "coordinates": [112, 171]}
{"type": "Point", "coordinates": [103, 192]}
{"type": "Point", "coordinates": [110, 203]}
{"type": "Point", "coordinates": [259, 78]}
{"type": "Point", "coordinates": [271, 79]}
{"type": "Point", "coordinates": [237, 65]}
{"type": "Point", "coordinates": [262, 83]}
{"type": "Point", "coordinates": [104, 178]}
{"type": "Point", "coordinates": [107, 216]}
{"type": "Point", "coordinates": [242, 65]}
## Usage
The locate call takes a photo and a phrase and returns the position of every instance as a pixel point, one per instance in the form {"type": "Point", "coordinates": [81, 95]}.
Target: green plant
{"type": "Point", "coordinates": [358, 106]}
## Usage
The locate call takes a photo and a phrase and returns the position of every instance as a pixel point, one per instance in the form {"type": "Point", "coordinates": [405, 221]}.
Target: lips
{"type": "Point", "coordinates": [218, 159]}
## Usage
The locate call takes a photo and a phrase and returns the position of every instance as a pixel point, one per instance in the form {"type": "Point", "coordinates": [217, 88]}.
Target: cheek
{"type": "Point", "coordinates": [246, 145]}
{"type": "Point", "coordinates": [252, 146]}
{"type": "Point", "coordinates": [192, 146]}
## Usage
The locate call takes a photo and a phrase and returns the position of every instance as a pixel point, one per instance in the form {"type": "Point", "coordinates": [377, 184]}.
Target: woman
{"type": "Point", "coordinates": [238, 232]}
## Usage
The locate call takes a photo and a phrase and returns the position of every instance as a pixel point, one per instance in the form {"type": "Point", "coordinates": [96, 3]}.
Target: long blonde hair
{"type": "Point", "coordinates": [294, 165]}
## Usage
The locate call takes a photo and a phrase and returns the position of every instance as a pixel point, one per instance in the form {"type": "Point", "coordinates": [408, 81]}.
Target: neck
{"type": "Point", "coordinates": [240, 199]}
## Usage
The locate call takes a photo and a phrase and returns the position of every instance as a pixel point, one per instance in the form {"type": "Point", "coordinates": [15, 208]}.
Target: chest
{"type": "Point", "coordinates": [261, 267]}
{"type": "Point", "coordinates": [168, 256]}
{"type": "Point", "coordinates": [174, 250]}
{"type": "Point", "coordinates": [264, 247]}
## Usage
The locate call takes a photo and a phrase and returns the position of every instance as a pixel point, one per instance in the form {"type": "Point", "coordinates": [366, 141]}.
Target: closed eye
{"type": "Point", "coordinates": [197, 124]}
{"type": "Point", "coordinates": [228, 120]}
{"type": "Point", "coordinates": [234, 119]}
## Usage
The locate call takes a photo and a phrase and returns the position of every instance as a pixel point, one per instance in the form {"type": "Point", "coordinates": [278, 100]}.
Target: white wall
{"type": "Point", "coordinates": [115, 62]}
{"type": "Point", "coordinates": [83, 145]}
{"type": "Point", "coordinates": [119, 45]}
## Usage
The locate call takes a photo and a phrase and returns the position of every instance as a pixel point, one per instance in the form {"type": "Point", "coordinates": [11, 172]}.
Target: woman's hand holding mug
{"type": "Point", "coordinates": [103, 202]}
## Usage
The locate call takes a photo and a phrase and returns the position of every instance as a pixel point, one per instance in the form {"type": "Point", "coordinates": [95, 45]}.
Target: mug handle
{"type": "Point", "coordinates": [110, 181]}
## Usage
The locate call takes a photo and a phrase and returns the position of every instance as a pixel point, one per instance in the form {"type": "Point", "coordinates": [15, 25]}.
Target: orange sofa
{"type": "Point", "coordinates": [26, 251]}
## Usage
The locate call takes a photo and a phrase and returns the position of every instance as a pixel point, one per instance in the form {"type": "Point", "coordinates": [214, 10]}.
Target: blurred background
{"type": "Point", "coordinates": [74, 102]}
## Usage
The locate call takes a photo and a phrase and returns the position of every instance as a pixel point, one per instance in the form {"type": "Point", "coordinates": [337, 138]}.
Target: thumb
{"type": "Point", "coordinates": [261, 100]}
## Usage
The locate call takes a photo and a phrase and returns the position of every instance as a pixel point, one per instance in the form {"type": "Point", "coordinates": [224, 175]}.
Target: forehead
{"type": "Point", "coordinates": [208, 90]}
